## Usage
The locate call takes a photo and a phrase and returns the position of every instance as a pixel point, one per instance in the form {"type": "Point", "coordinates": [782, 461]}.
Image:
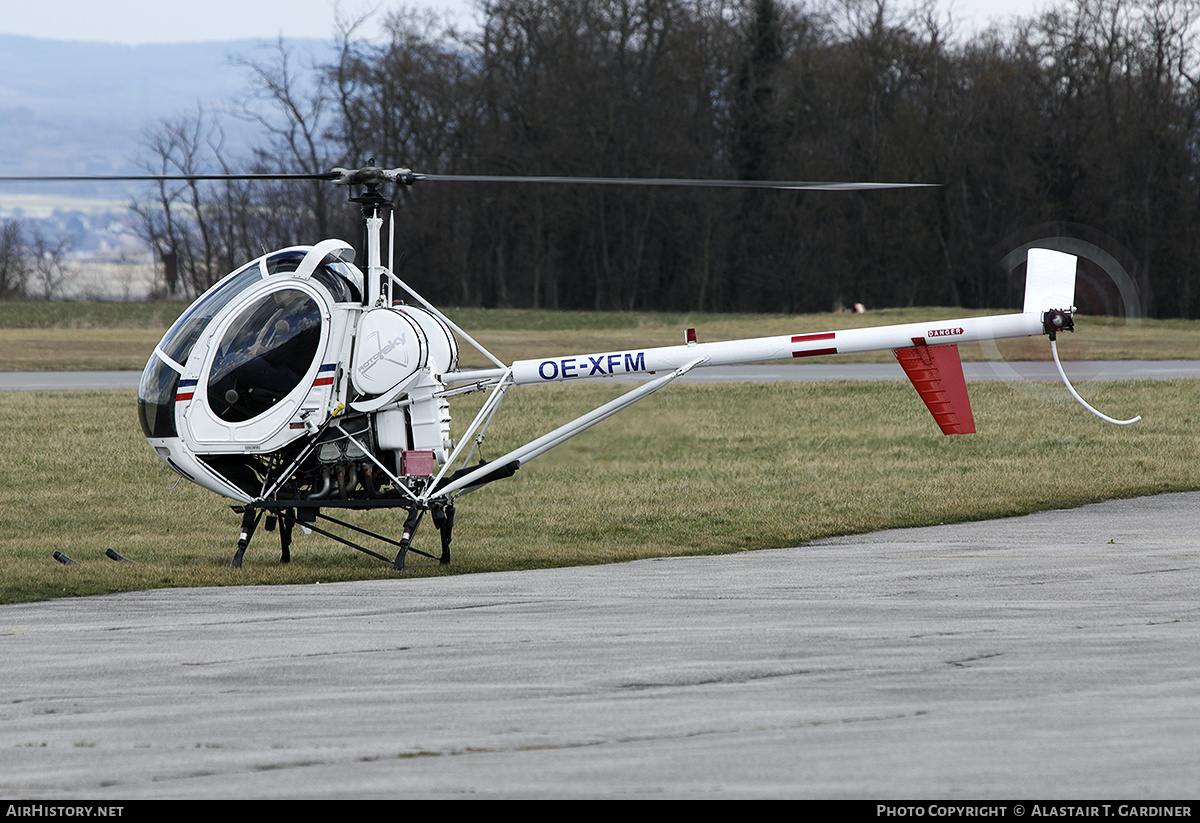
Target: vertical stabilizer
{"type": "Point", "coordinates": [936, 373]}
{"type": "Point", "coordinates": [1049, 280]}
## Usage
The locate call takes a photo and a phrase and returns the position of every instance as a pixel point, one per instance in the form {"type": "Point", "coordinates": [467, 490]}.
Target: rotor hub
{"type": "Point", "coordinates": [372, 176]}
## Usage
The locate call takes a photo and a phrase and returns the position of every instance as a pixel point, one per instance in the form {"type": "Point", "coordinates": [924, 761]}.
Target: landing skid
{"type": "Point", "coordinates": [287, 513]}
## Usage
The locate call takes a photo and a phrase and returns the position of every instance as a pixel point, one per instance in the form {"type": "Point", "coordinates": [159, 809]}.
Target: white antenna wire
{"type": "Point", "coordinates": [1075, 394]}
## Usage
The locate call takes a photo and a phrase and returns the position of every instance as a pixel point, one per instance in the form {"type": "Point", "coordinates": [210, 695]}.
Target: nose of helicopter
{"type": "Point", "coordinates": [176, 455]}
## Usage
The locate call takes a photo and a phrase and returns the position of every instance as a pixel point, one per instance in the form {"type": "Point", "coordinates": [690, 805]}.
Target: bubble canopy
{"type": "Point", "coordinates": [261, 356]}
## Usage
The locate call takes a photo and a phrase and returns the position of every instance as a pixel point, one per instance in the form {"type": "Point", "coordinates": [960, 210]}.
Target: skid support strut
{"type": "Point", "coordinates": [415, 513]}
{"type": "Point", "coordinates": [443, 519]}
{"type": "Point", "coordinates": [251, 515]}
{"type": "Point", "coordinates": [250, 518]}
{"type": "Point", "coordinates": [287, 517]}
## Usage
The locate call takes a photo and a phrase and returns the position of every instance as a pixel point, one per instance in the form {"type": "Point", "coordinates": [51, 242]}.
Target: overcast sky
{"type": "Point", "coordinates": [156, 21]}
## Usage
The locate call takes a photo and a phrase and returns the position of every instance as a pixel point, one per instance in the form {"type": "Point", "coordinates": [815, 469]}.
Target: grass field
{"type": "Point", "coordinates": [695, 469]}
{"type": "Point", "coordinates": [670, 476]}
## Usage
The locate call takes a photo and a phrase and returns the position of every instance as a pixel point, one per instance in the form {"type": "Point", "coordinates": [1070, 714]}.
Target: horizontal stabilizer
{"type": "Point", "coordinates": [937, 374]}
{"type": "Point", "coordinates": [1049, 280]}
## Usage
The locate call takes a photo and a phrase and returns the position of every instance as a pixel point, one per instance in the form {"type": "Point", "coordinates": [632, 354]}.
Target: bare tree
{"type": "Point", "coordinates": [177, 221]}
{"type": "Point", "coordinates": [290, 103]}
{"type": "Point", "coordinates": [49, 269]}
{"type": "Point", "coordinates": [14, 268]}
{"type": "Point", "coordinates": [1087, 113]}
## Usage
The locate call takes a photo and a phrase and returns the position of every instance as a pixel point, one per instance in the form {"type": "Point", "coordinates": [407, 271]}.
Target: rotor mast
{"type": "Point", "coordinates": [376, 210]}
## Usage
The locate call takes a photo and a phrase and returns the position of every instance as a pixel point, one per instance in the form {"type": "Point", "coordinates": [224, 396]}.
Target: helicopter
{"type": "Point", "coordinates": [301, 382]}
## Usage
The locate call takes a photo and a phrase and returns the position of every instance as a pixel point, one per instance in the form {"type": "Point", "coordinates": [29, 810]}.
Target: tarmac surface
{"type": "Point", "coordinates": [1047, 656]}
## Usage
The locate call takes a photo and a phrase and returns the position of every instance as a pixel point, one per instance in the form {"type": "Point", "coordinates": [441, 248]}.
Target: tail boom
{"type": "Point", "coordinates": [1049, 286]}
{"type": "Point", "coordinates": [756, 350]}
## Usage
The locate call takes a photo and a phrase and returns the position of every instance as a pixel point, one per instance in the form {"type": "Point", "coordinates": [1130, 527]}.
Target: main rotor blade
{"type": "Point", "coordinates": [404, 176]}
{"type": "Point", "coordinates": [151, 178]}
{"type": "Point", "coordinates": [793, 185]}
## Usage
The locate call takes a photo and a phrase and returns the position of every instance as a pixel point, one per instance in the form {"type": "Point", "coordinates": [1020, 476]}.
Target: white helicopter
{"type": "Point", "coordinates": [301, 382]}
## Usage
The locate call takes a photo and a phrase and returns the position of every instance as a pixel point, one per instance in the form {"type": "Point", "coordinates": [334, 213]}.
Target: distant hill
{"type": "Point", "coordinates": [81, 108]}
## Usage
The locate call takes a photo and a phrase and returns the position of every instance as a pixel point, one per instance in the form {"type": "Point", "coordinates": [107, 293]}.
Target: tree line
{"type": "Point", "coordinates": [32, 264]}
{"type": "Point", "coordinates": [1081, 122]}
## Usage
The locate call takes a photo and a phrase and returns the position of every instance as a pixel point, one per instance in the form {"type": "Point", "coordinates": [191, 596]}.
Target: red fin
{"type": "Point", "coordinates": [936, 372]}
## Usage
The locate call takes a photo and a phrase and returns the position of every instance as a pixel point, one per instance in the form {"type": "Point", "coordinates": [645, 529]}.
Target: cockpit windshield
{"type": "Point", "coordinates": [156, 393]}
{"type": "Point", "coordinates": [178, 342]}
{"type": "Point", "coordinates": [264, 355]}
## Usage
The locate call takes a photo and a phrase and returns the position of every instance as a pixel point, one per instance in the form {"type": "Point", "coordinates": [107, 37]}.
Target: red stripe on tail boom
{"type": "Point", "coordinates": [808, 338]}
